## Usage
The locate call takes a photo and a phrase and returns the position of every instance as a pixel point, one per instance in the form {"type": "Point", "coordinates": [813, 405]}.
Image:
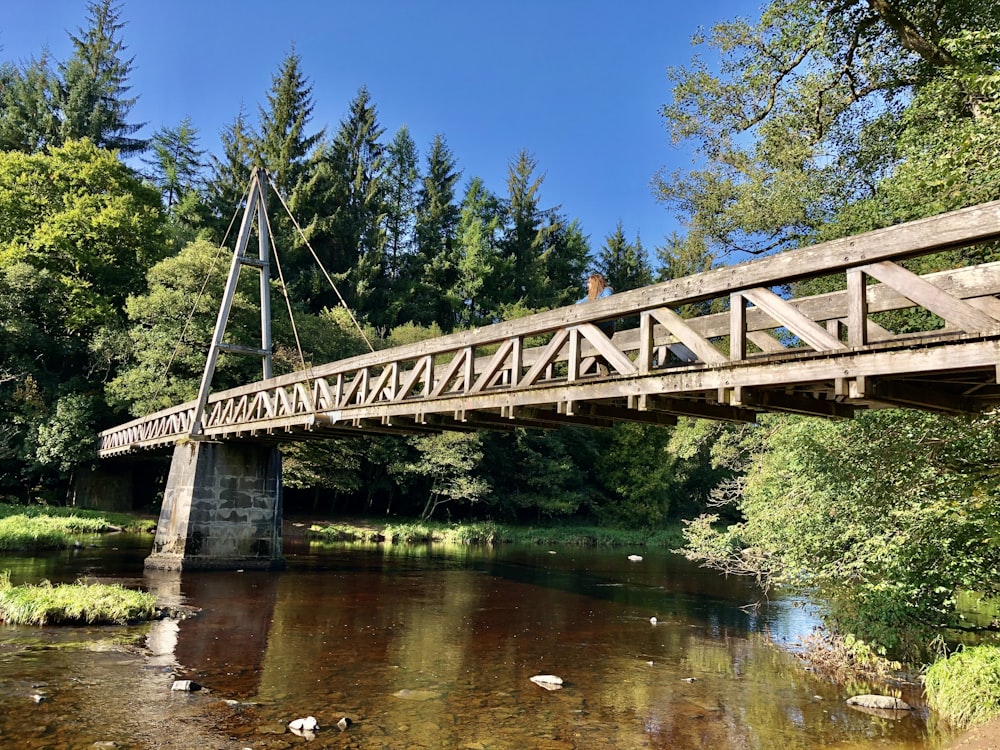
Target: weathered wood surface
{"type": "Point", "coordinates": [827, 355]}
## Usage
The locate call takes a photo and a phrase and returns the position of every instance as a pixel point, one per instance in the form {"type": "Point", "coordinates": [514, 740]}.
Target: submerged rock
{"type": "Point", "coordinates": [878, 701]}
{"type": "Point", "coordinates": [416, 695]}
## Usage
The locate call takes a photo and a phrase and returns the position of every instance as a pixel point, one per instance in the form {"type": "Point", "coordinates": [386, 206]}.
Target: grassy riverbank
{"type": "Point", "coordinates": [26, 528]}
{"type": "Point", "coordinates": [73, 604]}
{"type": "Point", "coordinates": [492, 533]}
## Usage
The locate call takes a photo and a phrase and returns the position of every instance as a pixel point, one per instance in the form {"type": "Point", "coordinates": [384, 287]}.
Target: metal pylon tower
{"type": "Point", "coordinates": [256, 206]}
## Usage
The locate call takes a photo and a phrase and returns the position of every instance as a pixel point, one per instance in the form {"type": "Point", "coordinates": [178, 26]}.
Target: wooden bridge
{"type": "Point", "coordinates": [824, 355]}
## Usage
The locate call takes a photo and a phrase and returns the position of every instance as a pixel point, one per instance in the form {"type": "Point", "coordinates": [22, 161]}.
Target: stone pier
{"type": "Point", "coordinates": [221, 509]}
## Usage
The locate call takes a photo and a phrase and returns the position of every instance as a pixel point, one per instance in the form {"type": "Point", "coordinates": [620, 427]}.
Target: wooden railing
{"type": "Point", "coordinates": [821, 355]}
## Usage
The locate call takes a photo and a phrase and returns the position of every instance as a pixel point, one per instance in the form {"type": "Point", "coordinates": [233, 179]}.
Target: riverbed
{"type": "Point", "coordinates": [434, 647]}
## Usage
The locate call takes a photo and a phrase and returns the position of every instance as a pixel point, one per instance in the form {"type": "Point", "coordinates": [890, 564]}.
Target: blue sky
{"type": "Point", "coordinates": [579, 85]}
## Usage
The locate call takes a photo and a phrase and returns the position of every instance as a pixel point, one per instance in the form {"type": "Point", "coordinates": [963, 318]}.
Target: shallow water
{"type": "Point", "coordinates": [433, 649]}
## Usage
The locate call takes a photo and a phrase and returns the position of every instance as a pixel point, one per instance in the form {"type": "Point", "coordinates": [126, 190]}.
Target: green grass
{"type": "Point", "coordinates": [38, 527]}
{"type": "Point", "coordinates": [72, 604]}
{"type": "Point", "coordinates": [491, 533]}
{"type": "Point", "coordinates": [965, 687]}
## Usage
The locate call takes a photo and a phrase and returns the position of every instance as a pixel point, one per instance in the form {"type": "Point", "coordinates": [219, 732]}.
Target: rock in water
{"type": "Point", "coordinates": [879, 701]}
{"type": "Point", "coordinates": [308, 724]}
{"type": "Point", "coordinates": [185, 686]}
{"type": "Point", "coordinates": [635, 558]}
{"type": "Point", "coordinates": [547, 681]}
{"type": "Point", "coordinates": [343, 724]}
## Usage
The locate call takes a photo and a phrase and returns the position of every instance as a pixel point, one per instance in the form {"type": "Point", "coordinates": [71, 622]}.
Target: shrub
{"type": "Point", "coordinates": [965, 687]}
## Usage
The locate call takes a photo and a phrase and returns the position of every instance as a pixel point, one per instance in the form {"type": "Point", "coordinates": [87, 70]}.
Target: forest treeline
{"type": "Point", "coordinates": [811, 121]}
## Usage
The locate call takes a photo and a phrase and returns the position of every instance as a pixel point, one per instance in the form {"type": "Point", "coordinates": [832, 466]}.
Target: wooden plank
{"type": "Point", "coordinates": [622, 364]}
{"type": "Point", "coordinates": [457, 362]}
{"type": "Point", "coordinates": [737, 327]}
{"type": "Point", "coordinates": [493, 366]}
{"type": "Point", "coordinates": [786, 315]}
{"type": "Point", "coordinates": [544, 359]}
{"type": "Point", "coordinates": [688, 336]}
{"type": "Point", "coordinates": [955, 311]}
{"type": "Point", "coordinates": [857, 308]}
{"type": "Point", "coordinates": [797, 404]}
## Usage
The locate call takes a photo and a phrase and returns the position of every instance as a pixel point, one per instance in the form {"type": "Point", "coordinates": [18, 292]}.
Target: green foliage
{"type": "Point", "coordinates": [889, 516]}
{"type": "Point", "coordinates": [809, 106]}
{"type": "Point", "coordinates": [74, 604]}
{"type": "Point", "coordinates": [93, 102]}
{"type": "Point", "coordinates": [492, 533]}
{"type": "Point", "coordinates": [446, 465]}
{"type": "Point", "coordinates": [964, 688]}
{"type": "Point", "coordinates": [80, 520]}
{"type": "Point", "coordinates": [176, 162]}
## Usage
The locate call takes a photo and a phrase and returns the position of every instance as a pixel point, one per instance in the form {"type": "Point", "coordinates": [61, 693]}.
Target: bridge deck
{"type": "Point", "coordinates": [826, 355]}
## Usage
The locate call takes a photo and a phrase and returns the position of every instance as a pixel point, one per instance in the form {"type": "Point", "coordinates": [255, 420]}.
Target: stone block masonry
{"type": "Point", "coordinates": [222, 509]}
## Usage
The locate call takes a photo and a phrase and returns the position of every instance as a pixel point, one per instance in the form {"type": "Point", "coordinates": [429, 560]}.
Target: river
{"type": "Point", "coordinates": [432, 648]}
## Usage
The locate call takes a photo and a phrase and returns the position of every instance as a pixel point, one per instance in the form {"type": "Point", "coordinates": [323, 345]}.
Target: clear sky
{"type": "Point", "coordinates": [579, 84]}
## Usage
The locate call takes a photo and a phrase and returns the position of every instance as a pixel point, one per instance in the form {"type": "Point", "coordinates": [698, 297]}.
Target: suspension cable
{"type": "Point", "coordinates": [319, 262]}
{"type": "Point", "coordinates": [284, 292]}
{"type": "Point", "coordinates": [201, 293]}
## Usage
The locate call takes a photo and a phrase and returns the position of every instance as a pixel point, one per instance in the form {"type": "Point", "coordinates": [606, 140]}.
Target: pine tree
{"type": "Point", "coordinates": [525, 234]}
{"type": "Point", "coordinates": [353, 235]}
{"type": "Point", "coordinates": [93, 100]}
{"type": "Point", "coordinates": [401, 177]}
{"type": "Point", "coordinates": [176, 161]}
{"type": "Point", "coordinates": [474, 295]}
{"type": "Point", "coordinates": [284, 146]}
{"type": "Point", "coordinates": [437, 222]}
{"type": "Point", "coordinates": [29, 116]}
{"type": "Point", "coordinates": [624, 264]}
{"type": "Point", "coordinates": [231, 173]}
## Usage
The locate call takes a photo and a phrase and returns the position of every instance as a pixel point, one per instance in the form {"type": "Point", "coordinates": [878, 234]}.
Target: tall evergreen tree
{"type": "Point", "coordinates": [526, 232]}
{"type": "Point", "coordinates": [435, 262]}
{"type": "Point", "coordinates": [176, 161]}
{"type": "Point", "coordinates": [284, 146]}
{"type": "Point", "coordinates": [623, 263]}
{"type": "Point", "coordinates": [29, 101]}
{"type": "Point", "coordinates": [231, 171]}
{"type": "Point", "coordinates": [474, 294]}
{"type": "Point", "coordinates": [354, 239]}
{"type": "Point", "coordinates": [95, 84]}
{"type": "Point", "coordinates": [401, 175]}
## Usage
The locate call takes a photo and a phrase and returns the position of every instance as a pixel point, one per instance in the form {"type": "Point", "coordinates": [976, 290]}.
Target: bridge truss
{"type": "Point", "coordinates": [825, 355]}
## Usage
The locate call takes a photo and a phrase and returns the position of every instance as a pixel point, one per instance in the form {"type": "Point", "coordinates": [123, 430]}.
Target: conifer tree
{"type": "Point", "coordinates": [29, 116]}
{"type": "Point", "coordinates": [435, 262]}
{"type": "Point", "coordinates": [401, 175]}
{"type": "Point", "coordinates": [231, 171]}
{"type": "Point", "coordinates": [284, 146]}
{"type": "Point", "coordinates": [176, 161]}
{"type": "Point", "coordinates": [624, 264]}
{"type": "Point", "coordinates": [93, 101]}
{"type": "Point", "coordinates": [353, 235]}
{"type": "Point", "coordinates": [473, 295]}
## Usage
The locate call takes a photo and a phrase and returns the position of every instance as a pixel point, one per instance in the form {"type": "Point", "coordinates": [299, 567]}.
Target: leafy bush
{"type": "Point", "coordinates": [965, 687]}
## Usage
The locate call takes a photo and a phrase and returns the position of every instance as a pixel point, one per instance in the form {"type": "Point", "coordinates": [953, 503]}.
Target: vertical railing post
{"type": "Point", "coordinates": [737, 327]}
{"type": "Point", "coordinates": [645, 361]}
{"type": "Point", "coordinates": [573, 370]}
{"type": "Point", "coordinates": [857, 308]}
